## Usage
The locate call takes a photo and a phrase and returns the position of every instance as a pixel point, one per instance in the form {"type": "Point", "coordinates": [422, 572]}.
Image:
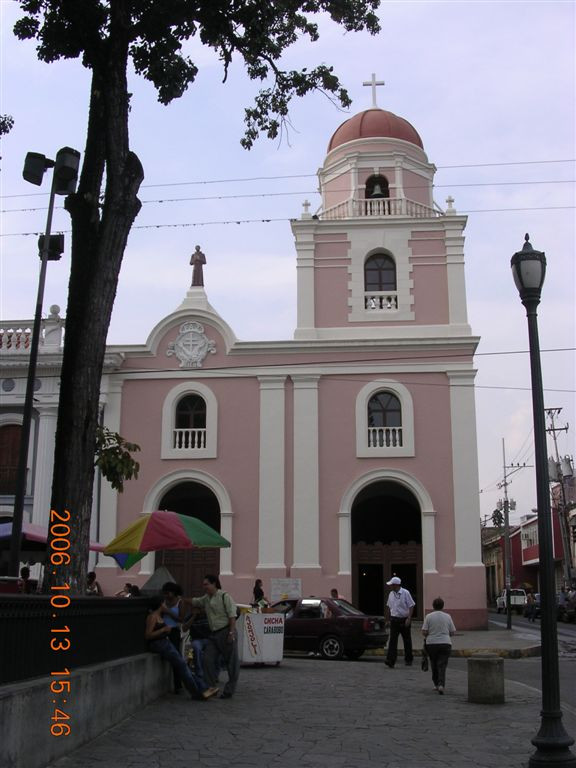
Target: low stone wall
{"type": "Point", "coordinates": [100, 696]}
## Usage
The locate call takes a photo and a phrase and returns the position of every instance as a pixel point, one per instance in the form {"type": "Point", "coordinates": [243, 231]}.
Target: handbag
{"type": "Point", "coordinates": [424, 659]}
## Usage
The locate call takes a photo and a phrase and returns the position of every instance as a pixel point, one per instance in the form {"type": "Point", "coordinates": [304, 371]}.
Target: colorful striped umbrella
{"type": "Point", "coordinates": [161, 530]}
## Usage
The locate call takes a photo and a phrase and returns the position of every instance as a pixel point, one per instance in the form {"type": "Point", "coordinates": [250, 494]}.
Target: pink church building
{"type": "Point", "coordinates": [340, 457]}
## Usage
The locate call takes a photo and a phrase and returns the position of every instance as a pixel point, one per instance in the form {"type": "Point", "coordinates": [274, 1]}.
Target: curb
{"type": "Point", "coordinates": [505, 653]}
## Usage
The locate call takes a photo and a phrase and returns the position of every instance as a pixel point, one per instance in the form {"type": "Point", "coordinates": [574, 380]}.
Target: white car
{"type": "Point", "coordinates": [517, 600]}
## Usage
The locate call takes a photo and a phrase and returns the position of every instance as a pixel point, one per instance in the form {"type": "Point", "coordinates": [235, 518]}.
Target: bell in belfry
{"type": "Point", "coordinates": [377, 191]}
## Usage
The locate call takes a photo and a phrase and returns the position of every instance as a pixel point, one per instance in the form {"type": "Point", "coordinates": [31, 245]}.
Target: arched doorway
{"type": "Point", "coordinates": [189, 566]}
{"type": "Point", "coordinates": [386, 540]}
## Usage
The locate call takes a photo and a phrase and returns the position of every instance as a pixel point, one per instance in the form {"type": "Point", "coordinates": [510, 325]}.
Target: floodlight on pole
{"type": "Point", "coordinates": [64, 180]}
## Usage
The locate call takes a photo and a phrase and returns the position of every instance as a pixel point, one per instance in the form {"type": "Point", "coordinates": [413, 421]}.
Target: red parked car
{"type": "Point", "coordinates": [330, 626]}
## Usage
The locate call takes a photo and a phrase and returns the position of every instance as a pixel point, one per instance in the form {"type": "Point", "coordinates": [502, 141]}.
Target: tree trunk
{"type": "Point", "coordinates": [98, 244]}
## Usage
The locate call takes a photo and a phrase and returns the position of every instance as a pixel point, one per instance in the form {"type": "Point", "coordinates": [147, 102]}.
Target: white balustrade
{"type": "Point", "coordinates": [384, 437]}
{"type": "Point", "coordinates": [383, 206]}
{"type": "Point", "coordinates": [189, 439]}
{"type": "Point", "coordinates": [381, 301]}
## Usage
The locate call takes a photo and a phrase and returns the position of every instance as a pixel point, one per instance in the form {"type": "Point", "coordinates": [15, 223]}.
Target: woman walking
{"type": "Point", "coordinates": [438, 629]}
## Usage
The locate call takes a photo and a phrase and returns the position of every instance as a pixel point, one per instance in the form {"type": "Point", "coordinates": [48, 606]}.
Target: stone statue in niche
{"type": "Point", "coordinates": [197, 260]}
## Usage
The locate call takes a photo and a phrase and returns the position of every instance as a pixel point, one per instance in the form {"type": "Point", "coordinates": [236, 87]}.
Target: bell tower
{"type": "Point", "coordinates": [379, 259]}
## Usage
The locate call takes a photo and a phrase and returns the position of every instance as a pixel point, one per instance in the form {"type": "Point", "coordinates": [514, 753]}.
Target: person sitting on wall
{"type": "Point", "coordinates": [157, 634]}
{"type": "Point", "coordinates": [92, 586]}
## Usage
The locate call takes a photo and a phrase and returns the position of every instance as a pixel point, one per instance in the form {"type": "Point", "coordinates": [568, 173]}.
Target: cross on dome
{"type": "Point", "coordinates": [374, 83]}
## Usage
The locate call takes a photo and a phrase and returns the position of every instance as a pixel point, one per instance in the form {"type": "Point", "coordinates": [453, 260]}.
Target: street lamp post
{"type": "Point", "coordinates": [552, 742]}
{"type": "Point", "coordinates": [63, 183]}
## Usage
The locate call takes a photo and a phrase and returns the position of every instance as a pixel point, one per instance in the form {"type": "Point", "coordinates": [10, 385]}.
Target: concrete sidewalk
{"type": "Point", "coordinates": [319, 714]}
{"type": "Point", "coordinates": [515, 643]}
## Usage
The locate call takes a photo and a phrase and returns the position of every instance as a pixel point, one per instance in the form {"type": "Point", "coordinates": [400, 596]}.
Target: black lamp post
{"type": "Point", "coordinates": [51, 246]}
{"type": "Point", "coordinates": [552, 742]}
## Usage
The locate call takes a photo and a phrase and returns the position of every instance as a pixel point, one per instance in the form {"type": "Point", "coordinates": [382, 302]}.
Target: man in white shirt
{"type": "Point", "coordinates": [399, 610]}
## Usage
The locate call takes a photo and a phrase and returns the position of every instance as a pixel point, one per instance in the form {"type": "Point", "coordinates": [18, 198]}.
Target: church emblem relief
{"type": "Point", "coordinates": [191, 346]}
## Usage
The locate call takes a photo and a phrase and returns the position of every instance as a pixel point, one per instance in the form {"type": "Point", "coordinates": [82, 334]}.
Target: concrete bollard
{"type": "Point", "coordinates": [485, 679]}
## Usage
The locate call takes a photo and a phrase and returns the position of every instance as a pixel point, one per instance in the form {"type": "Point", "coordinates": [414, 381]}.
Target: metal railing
{"type": "Point", "coordinates": [100, 629]}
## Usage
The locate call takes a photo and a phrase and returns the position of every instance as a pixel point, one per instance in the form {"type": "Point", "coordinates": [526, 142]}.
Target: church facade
{"type": "Point", "coordinates": [345, 455]}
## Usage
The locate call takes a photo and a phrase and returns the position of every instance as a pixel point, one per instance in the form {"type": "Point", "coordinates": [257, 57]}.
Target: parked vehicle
{"type": "Point", "coordinates": [329, 626]}
{"type": "Point", "coordinates": [517, 600]}
{"type": "Point", "coordinates": [567, 612]}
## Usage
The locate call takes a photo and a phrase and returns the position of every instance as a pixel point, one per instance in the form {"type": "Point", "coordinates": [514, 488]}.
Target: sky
{"type": "Point", "coordinates": [489, 86]}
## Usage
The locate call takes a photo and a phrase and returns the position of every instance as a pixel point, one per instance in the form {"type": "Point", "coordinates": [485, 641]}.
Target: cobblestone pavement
{"type": "Point", "coordinates": [319, 714]}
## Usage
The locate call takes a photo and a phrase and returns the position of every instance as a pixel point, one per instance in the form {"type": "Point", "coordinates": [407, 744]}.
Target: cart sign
{"type": "Point", "coordinates": [261, 638]}
{"type": "Point", "coordinates": [281, 589]}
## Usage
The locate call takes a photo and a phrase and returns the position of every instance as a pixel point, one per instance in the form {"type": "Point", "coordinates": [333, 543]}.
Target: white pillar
{"type": "Point", "coordinates": [306, 494]}
{"type": "Point", "coordinates": [272, 472]}
{"type": "Point", "coordinates": [44, 464]}
{"type": "Point", "coordinates": [455, 273]}
{"type": "Point", "coordinates": [465, 469]}
{"type": "Point", "coordinates": [429, 542]}
{"type": "Point", "coordinates": [305, 247]}
{"type": "Point", "coordinates": [108, 497]}
{"type": "Point", "coordinates": [344, 543]}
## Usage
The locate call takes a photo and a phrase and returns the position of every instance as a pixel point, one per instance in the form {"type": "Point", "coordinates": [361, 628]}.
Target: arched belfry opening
{"type": "Point", "coordinates": [377, 187]}
{"type": "Point", "coordinates": [386, 541]}
{"type": "Point", "coordinates": [189, 566]}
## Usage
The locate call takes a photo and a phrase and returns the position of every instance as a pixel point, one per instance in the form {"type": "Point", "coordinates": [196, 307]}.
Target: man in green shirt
{"type": "Point", "coordinates": [220, 611]}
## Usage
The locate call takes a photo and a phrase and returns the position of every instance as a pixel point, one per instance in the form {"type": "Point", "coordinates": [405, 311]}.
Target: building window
{"type": "Point", "coordinates": [380, 288]}
{"type": "Point", "coordinates": [384, 420]}
{"type": "Point", "coordinates": [10, 435]}
{"type": "Point", "coordinates": [189, 422]}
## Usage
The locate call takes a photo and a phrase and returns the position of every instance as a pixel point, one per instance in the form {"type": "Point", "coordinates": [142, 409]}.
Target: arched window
{"type": "Point", "coordinates": [384, 421]}
{"type": "Point", "coordinates": [380, 292]}
{"type": "Point", "coordinates": [191, 413]}
{"type": "Point", "coordinates": [380, 273]}
{"type": "Point", "coordinates": [10, 435]}
{"type": "Point", "coordinates": [189, 422]}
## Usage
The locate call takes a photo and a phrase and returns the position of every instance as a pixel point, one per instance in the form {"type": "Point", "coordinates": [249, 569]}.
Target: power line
{"type": "Point", "coordinates": [311, 192]}
{"type": "Point", "coordinates": [222, 222]}
{"type": "Point", "coordinates": [307, 175]}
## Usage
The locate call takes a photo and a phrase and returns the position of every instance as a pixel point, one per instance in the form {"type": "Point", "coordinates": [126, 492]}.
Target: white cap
{"type": "Point", "coordinates": [393, 580]}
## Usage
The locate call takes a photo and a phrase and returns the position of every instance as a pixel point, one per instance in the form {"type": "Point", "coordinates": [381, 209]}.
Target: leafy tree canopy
{"type": "Point", "coordinates": [114, 457]}
{"type": "Point", "coordinates": [6, 123]}
{"type": "Point", "coordinates": [154, 32]}
{"type": "Point", "coordinates": [106, 35]}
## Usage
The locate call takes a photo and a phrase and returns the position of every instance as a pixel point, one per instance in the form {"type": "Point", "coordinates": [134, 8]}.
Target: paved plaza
{"type": "Point", "coordinates": [313, 713]}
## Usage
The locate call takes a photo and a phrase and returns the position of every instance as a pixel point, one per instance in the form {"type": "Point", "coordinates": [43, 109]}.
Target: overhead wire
{"type": "Point", "coordinates": [309, 175]}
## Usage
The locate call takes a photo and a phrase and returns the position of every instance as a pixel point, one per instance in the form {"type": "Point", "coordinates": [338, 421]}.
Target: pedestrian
{"type": "Point", "coordinates": [399, 610]}
{"type": "Point", "coordinates": [220, 611]}
{"type": "Point", "coordinates": [438, 629]}
{"type": "Point", "coordinates": [157, 634]}
{"type": "Point", "coordinates": [530, 606]}
{"type": "Point", "coordinates": [259, 599]}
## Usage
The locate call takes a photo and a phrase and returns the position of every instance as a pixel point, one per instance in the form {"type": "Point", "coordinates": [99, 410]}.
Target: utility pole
{"type": "Point", "coordinates": [507, 505]}
{"type": "Point", "coordinates": [557, 470]}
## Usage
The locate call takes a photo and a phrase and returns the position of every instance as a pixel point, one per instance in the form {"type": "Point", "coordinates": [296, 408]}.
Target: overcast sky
{"type": "Point", "coordinates": [489, 86]}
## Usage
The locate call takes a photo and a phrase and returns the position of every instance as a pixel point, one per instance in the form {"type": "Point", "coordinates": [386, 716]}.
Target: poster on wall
{"type": "Point", "coordinates": [280, 589]}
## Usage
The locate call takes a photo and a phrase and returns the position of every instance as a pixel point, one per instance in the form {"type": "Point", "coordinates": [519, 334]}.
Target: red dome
{"type": "Point", "coordinates": [375, 123]}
